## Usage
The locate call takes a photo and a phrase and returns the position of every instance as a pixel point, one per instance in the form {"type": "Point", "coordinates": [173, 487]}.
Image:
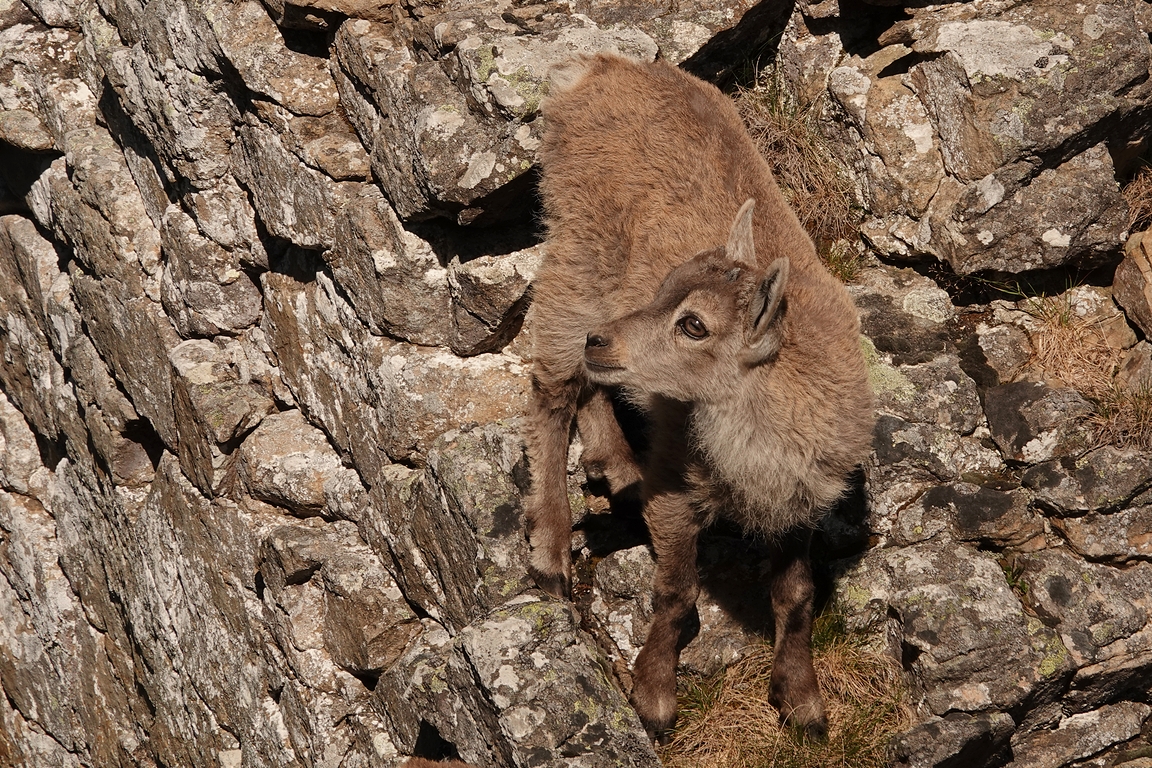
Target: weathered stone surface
{"type": "Point", "coordinates": [338, 600]}
{"type": "Point", "coordinates": [903, 314]}
{"type": "Point", "coordinates": [960, 629]}
{"type": "Point", "coordinates": [369, 393]}
{"type": "Point", "coordinates": [392, 277]}
{"type": "Point", "coordinates": [188, 170]}
{"type": "Point", "coordinates": [967, 512]}
{"type": "Point", "coordinates": [958, 132]}
{"type": "Point", "coordinates": [1118, 537]}
{"type": "Point", "coordinates": [489, 298]}
{"type": "Point", "coordinates": [1105, 479]}
{"type": "Point", "coordinates": [936, 392]}
{"type": "Point", "coordinates": [1031, 422]}
{"type": "Point", "coordinates": [1081, 736]}
{"type": "Point", "coordinates": [255, 47]}
{"type": "Point", "coordinates": [977, 740]}
{"type": "Point", "coordinates": [431, 152]}
{"type": "Point", "coordinates": [288, 462]}
{"type": "Point", "coordinates": [1132, 284]}
{"type": "Point", "coordinates": [1135, 371]}
{"type": "Point", "coordinates": [203, 288]}
{"type": "Point", "coordinates": [294, 202]}
{"type": "Point", "coordinates": [214, 408]}
{"type": "Point", "coordinates": [1006, 350]}
{"type": "Point", "coordinates": [497, 707]}
{"type": "Point", "coordinates": [1098, 610]}
{"type": "Point", "coordinates": [1105, 682]}
{"type": "Point", "coordinates": [455, 529]}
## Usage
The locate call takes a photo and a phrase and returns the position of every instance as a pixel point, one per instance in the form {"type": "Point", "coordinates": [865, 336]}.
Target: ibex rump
{"type": "Point", "coordinates": [663, 278]}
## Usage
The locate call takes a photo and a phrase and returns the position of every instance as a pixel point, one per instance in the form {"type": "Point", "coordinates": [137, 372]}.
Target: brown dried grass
{"type": "Point", "coordinates": [1138, 193]}
{"type": "Point", "coordinates": [1071, 349]}
{"type": "Point", "coordinates": [813, 181]}
{"type": "Point", "coordinates": [726, 721]}
{"type": "Point", "coordinates": [1075, 351]}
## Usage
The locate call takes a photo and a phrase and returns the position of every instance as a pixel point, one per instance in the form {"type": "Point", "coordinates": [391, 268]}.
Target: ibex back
{"type": "Point", "coordinates": [676, 272]}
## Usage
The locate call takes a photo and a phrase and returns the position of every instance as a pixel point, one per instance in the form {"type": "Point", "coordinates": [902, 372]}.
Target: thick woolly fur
{"type": "Point", "coordinates": [664, 281]}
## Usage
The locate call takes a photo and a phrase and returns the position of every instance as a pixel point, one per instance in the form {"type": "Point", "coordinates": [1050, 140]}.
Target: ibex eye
{"type": "Point", "coordinates": [692, 327]}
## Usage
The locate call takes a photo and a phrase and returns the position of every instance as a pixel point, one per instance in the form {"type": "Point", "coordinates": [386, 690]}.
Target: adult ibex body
{"type": "Point", "coordinates": [663, 279]}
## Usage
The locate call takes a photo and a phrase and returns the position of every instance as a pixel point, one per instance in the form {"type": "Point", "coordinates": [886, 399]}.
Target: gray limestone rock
{"type": "Point", "coordinates": [976, 740]}
{"type": "Point", "coordinates": [1080, 736]}
{"type": "Point", "coordinates": [959, 628]}
{"type": "Point", "coordinates": [1033, 423]}
{"type": "Point", "coordinates": [1099, 611]}
{"type": "Point", "coordinates": [1102, 480]}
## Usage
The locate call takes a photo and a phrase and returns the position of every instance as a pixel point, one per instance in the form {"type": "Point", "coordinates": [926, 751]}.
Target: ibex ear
{"type": "Point", "coordinates": [763, 312]}
{"type": "Point", "coordinates": [740, 246]}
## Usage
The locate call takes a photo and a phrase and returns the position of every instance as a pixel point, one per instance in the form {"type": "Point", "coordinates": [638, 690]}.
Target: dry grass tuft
{"type": "Point", "coordinates": [812, 179]}
{"type": "Point", "coordinates": [1075, 351]}
{"type": "Point", "coordinates": [1124, 417]}
{"type": "Point", "coordinates": [1071, 349]}
{"type": "Point", "coordinates": [1138, 193]}
{"type": "Point", "coordinates": [726, 721]}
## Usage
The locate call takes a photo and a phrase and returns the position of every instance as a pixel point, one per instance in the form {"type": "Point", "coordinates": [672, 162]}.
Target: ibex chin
{"type": "Point", "coordinates": [677, 274]}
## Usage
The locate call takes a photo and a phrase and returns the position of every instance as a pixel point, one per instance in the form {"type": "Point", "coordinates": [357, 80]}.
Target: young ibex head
{"type": "Point", "coordinates": [714, 318]}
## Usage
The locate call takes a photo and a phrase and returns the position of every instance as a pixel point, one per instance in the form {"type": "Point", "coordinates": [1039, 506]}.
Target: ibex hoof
{"type": "Point", "coordinates": [556, 584]}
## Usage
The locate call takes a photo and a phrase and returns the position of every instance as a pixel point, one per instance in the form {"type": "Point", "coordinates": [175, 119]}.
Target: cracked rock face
{"type": "Point", "coordinates": [958, 131]}
{"type": "Point", "coordinates": [265, 278]}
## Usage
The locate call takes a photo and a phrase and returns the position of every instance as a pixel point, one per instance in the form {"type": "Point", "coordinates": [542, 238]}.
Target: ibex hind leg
{"type": "Point", "coordinates": [793, 689]}
{"type": "Point", "coordinates": [607, 453]}
{"type": "Point", "coordinates": [547, 509]}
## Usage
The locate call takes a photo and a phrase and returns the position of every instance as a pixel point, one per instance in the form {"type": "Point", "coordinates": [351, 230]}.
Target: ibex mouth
{"type": "Point", "coordinates": [601, 373]}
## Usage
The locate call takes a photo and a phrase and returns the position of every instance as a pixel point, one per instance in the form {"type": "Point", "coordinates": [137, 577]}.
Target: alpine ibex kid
{"type": "Point", "coordinates": [676, 273]}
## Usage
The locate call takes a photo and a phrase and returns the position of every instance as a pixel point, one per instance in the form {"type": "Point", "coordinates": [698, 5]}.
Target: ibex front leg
{"type": "Point", "coordinates": [793, 690]}
{"type": "Point", "coordinates": [675, 527]}
{"type": "Point", "coordinates": [547, 509]}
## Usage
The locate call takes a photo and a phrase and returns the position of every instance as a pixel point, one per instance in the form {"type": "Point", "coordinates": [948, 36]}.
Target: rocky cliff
{"type": "Point", "coordinates": [263, 282]}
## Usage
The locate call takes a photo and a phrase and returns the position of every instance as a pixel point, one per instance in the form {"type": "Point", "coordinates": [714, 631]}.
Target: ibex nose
{"type": "Point", "coordinates": [595, 340]}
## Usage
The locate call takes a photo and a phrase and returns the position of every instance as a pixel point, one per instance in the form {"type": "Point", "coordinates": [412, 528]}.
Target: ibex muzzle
{"type": "Point", "coordinates": [676, 272]}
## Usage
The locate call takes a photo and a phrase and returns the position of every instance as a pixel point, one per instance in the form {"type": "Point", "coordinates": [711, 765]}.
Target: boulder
{"type": "Point", "coordinates": [958, 627]}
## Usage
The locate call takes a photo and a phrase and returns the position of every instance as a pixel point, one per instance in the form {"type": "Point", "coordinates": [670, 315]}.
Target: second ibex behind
{"type": "Point", "coordinates": [677, 274]}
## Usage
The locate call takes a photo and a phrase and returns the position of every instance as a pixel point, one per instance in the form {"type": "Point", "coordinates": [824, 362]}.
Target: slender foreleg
{"type": "Point", "coordinates": [793, 689]}
{"type": "Point", "coordinates": [547, 509]}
